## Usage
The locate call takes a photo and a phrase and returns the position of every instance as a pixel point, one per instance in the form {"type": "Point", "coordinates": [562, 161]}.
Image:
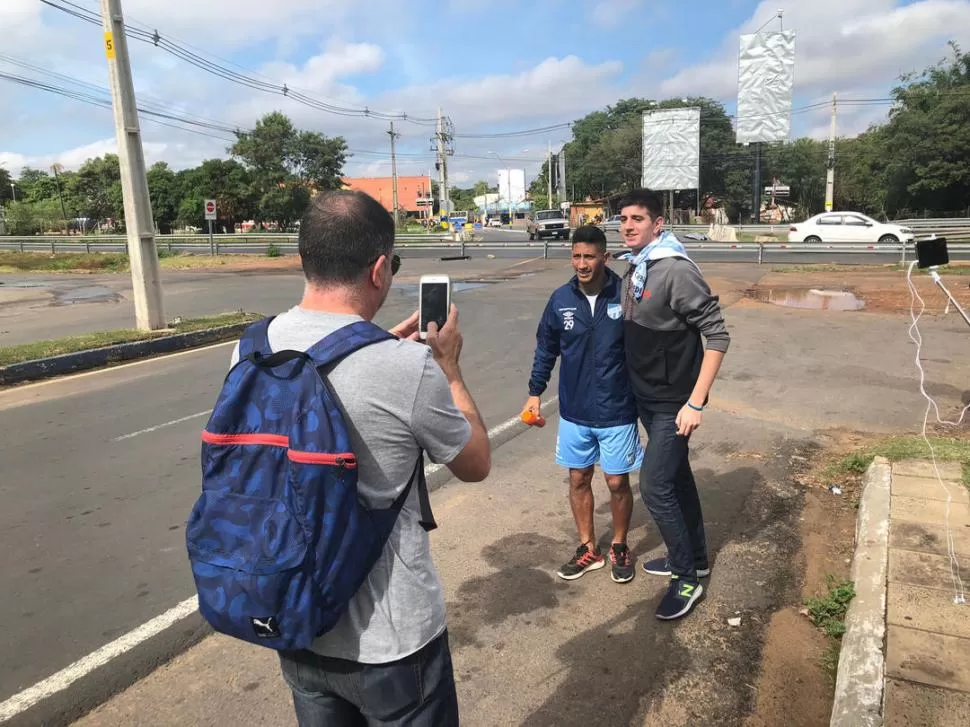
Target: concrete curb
{"type": "Point", "coordinates": [93, 358]}
{"type": "Point", "coordinates": [860, 684]}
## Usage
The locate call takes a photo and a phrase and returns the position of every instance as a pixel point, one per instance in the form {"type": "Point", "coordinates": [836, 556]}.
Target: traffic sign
{"type": "Point", "coordinates": [210, 209]}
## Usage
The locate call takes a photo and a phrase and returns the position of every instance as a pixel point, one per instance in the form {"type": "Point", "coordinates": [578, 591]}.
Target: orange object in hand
{"type": "Point", "coordinates": [533, 420]}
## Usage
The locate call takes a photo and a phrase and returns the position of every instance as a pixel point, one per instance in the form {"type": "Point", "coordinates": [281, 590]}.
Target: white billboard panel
{"type": "Point", "coordinates": [766, 77]}
{"type": "Point", "coordinates": [514, 193]}
{"type": "Point", "coordinates": [672, 149]}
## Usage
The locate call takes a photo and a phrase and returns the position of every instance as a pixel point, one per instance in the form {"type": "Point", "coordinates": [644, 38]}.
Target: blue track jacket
{"type": "Point", "coordinates": [594, 388]}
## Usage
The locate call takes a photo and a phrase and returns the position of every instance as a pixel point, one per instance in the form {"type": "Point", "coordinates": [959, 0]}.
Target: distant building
{"type": "Point", "coordinates": [410, 191]}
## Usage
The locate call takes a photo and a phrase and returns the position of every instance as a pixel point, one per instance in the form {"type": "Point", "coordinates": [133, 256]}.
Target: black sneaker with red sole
{"type": "Point", "coordinates": [581, 563]}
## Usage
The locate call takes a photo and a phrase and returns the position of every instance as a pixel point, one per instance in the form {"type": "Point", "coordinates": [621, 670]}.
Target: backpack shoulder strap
{"type": "Point", "coordinates": [345, 341]}
{"type": "Point", "coordinates": [424, 499]}
{"type": "Point", "coordinates": [255, 338]}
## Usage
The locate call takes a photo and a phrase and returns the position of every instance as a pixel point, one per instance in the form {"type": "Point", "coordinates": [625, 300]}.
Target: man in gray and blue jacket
{"type": "Point", "coordinates": [667, 308]}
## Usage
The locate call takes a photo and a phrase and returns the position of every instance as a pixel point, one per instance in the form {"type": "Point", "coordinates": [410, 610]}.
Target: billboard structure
{"type": "Point", "coordinates": [511, 187]}
{"type": "Point", "coordinates": [672, 149]}
{"type": "Point", "coordinates": [766, 77]}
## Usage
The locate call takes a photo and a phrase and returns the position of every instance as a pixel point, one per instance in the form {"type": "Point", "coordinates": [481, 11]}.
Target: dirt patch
{"type": "Point", "coordinates": [796, 686]}
{"type": "Point", "coordinates": [883, 291]}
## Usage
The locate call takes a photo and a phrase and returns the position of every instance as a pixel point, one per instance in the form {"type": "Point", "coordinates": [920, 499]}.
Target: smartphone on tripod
{"type": "Point", "coordinates": [932, 253]}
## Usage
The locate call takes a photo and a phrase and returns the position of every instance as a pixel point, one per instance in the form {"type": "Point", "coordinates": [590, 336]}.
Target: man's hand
{"type": "Point", "coordinates": [687, 421]}
{"type": "Point", "coordinates": [446, 343]}
{"type": "Point", "coordinates": [532, 405]}
{"type": "Point", "coordinates": [408, 328]}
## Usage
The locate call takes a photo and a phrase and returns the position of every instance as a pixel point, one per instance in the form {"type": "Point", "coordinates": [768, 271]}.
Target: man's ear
{"type": "Point", "coordinates": [376, 273]}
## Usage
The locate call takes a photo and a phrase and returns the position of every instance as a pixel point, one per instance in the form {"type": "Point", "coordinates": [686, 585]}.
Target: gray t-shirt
{"type": "Point", "coordinates": [396, 400]}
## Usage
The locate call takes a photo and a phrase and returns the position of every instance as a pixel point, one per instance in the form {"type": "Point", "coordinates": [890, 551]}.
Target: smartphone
{"type": "Point", "coordinates": [931, 253]}
{"type": "Point", "coordinates": [434, 302]}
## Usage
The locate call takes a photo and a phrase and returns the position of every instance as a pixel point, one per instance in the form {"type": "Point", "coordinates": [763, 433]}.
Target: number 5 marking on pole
{"type": "Point", "coordinates": [109, 45]}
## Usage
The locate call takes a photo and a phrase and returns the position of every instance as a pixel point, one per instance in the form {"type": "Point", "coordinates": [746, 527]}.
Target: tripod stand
{"type": "Point", "coordinates": [939, 282]}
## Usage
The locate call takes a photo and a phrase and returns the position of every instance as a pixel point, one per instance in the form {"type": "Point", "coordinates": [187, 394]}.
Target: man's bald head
{"type": "Point", "coordinates": [342, 233]}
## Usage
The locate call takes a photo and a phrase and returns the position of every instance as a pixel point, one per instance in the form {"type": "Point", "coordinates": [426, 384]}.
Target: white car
{"type": "Point", "coordinates": [611, 225]}
{"type": "Point", "coordinates": [847, 227]}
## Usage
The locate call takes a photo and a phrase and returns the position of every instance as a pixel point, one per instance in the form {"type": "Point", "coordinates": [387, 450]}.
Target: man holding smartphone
{"type": "Point", "coordinates": [583, 325]}
{"type": "Point", "coordinates": [667, 308]}
{"type": "Point", "coordinates": [388, 659]}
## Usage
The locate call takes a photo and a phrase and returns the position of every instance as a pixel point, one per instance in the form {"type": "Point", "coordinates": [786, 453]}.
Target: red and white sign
{"type": "Point", "coordinates": [210, 209]}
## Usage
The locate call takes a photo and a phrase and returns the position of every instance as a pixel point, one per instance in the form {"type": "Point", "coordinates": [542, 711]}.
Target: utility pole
{"type": "Point", "coordinates": [563, 196]}
{"type": "Point", "coordinates": [756, 186]}
{"type": "Point", "coordinates": [394, 174]}
{"type": "Point", "coordinates": [441, 139]}
{"type": "Point", "coordinates": [830, 174]}
{"type": "Point", "coordinates": [143, 256]}
{"type": "Point", "coordinates": [549, 170]}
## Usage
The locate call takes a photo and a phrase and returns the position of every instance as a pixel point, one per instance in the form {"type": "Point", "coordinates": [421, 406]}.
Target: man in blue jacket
{"type": "Point", "coordinates": [583, 324]}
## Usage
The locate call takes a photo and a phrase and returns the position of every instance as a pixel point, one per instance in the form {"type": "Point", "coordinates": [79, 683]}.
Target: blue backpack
{"type": "Point", "coordinates": [278, 541]}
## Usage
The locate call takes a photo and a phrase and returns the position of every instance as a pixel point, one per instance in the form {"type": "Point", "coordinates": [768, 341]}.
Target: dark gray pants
{"type": "Point", "coordinates": [416, 691]}
{"type": "Point", "coordinates": [670, 493]}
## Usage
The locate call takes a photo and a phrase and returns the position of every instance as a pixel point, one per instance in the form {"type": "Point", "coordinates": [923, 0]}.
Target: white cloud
{"type": "Point", "coordinates": [176, 155]}
{"type": "Point", "coordinates": [553, 88]}
{"type": "Point", "coordinates": [839, 44]}
{"type": "Point", "coordinates": [613, 13]}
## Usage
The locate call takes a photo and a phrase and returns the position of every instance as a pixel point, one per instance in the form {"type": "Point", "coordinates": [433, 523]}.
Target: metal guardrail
{"type": "Point", "coordinates": [446, 246]}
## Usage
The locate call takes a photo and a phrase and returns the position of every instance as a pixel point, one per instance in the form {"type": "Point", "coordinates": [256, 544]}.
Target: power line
{"type": "Point", "coordinates": [244, 79]}
{"type": "Point", "coordinates": [159, 112]}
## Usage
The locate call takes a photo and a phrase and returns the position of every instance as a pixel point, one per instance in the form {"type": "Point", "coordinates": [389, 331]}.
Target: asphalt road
{"type": "Point", "coordinates": [93, 529]}
{"type": "Point", "coordinates": [101, 470]}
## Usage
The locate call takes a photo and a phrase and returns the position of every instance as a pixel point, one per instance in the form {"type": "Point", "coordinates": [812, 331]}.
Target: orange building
{"type": "Point", "coordinates": [409, 190]}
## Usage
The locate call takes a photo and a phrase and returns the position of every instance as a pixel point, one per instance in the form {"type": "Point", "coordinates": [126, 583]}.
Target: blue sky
{"type": "Point", "coordinates": [493, 67]}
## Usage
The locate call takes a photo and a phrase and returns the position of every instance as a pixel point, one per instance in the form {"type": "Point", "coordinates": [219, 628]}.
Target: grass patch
{"type": "Point", "coordinates": [897, 449]}
{"type": "Point", "coordinates": [115, 262]}
{"type": "Point", "coordinates": [273, 250]}
{"type": "Point", "coordinates": [73, 344]}
{"type": "Point", "coordinates": [12, 262]}
{"type": "Point", "coordinates": [827, 612]}
{"type": "Point", "coordinates": [958, 269]}
{"type": "Point", "coordinates": [829, 268]}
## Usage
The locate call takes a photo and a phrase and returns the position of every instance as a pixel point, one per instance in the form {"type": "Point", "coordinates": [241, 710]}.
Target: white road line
{"type": "Point", "coordinates": [111, 369]}
{"type": "Point", "coordinates": [60, 681]}
{"type": "Point", "coordinates": [162, 426]}
{"type": "Point", "coordinates": [67, 676]}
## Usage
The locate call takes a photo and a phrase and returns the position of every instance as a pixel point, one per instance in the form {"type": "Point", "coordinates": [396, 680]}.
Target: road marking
{"type": "Point", "coordinates": [65, 677]}
{"type": "Point", "coordinates": [161, 426]}
{"type": "Point", "coordinates": [530, 260]}
{"type": "Point", "coordinates": [60, 681]}
{"type": "Point", "coordinates": [111, 369]}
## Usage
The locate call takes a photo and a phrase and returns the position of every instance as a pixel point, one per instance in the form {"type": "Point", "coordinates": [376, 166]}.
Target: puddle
{"type": "Point", "coordinates": [86, 294]}
{"type": "Point", "coordinates": [808, 298]}
{"type": "Point", "coordinates": [456, 287]}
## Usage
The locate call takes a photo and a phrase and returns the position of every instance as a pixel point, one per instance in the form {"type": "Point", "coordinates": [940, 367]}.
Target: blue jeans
{"type": "Point", "coordinates": [416, 691]}
{"type": "Point", "coordinates": [670, 494]}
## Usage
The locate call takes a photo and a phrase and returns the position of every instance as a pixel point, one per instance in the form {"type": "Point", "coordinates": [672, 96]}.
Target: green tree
{"type": "Point", "coordinates": [927, 138]}
{"type": "Point", "coordinates": [284, 205]}
{"type": "Point", "coordinates": [318, 161]}
{"type": "Point", "coordinates": [164, 194]}
{"type": "Point", "coordinates": [97, 190]}
{"type": "Point", "coordinates": [277, 152]}
{"type": "Point", "coordinates": [32, 218]}
{"type": "Point", "coordinates": [225, 180]}
{"type": "Point", "coordinates": [5, 181]}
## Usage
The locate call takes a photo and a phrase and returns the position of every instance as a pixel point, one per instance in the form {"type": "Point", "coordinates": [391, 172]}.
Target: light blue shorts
{"type": "Point", "coordinates": [617, 449]}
